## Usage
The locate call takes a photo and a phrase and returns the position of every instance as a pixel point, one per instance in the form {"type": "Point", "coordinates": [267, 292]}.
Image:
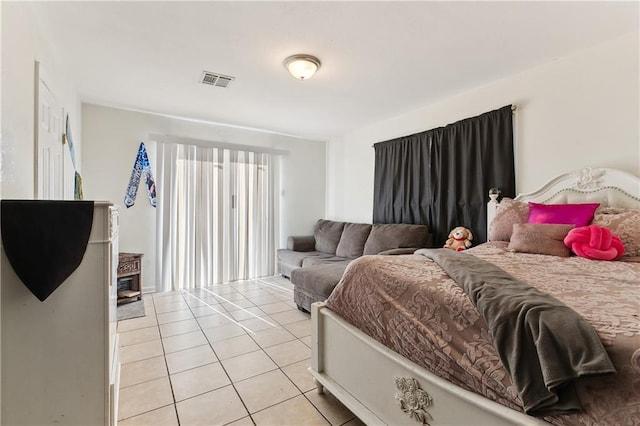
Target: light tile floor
{"type": "Point", "coordinates": [233, 354]}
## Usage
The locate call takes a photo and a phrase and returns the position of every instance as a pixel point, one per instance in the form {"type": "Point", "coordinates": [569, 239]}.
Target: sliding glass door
{"type": "Point", "coordinates": [216, 215]}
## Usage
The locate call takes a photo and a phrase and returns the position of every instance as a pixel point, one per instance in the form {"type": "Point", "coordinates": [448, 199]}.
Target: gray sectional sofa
{"type": "Point", "coordinates": [315, 263]}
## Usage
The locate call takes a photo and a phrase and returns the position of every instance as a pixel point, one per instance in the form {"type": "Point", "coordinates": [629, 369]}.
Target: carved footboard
{"type": "Point", "coordinates": [381, 387]}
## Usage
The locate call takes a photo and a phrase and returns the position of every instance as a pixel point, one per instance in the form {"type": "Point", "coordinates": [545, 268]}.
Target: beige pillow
{"type": "Point", "coordinates": [509, 213]}
{"type": "Point", "coordinates": [625, 223]}
{"type": "Point", "coordinates": [540, 238]}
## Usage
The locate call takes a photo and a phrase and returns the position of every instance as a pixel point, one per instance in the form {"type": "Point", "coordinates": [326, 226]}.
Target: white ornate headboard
{"type": "Point", "coordinates": [609, 187]}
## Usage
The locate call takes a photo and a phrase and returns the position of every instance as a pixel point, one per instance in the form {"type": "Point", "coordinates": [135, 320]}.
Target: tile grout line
{"type": "Point", "coordinates": [164, 356]}
{"type": "Point", "coordinates": [166, 364]}
{"type": "Point", "coordinates": [260, 348]}
{"type": "Point", "coordinates": [225, 372]}
{"type": "Point", "coordinates": [146, 381]}
{"type": "Point", "coordinates": [300, 390]}
{"type": "Point", "coordinates": [280, 368]}
{"type": "Point", "coordinates": [244, 309]}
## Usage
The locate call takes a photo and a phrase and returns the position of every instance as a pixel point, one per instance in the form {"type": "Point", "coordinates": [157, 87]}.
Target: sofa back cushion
{"type": "Point", "coordinates": [353, 238]}
{"type": "Point", "coordinates": [327, 234]}
{"type": "Point", "coordinates": [395, 235]}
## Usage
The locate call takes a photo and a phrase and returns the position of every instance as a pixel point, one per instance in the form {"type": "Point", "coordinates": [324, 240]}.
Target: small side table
{"type": "Point", "coordinates": [129, 277]}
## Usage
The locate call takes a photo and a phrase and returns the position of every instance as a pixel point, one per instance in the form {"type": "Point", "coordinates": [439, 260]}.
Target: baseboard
{"type": "Point", "coordinates": [146, 290]}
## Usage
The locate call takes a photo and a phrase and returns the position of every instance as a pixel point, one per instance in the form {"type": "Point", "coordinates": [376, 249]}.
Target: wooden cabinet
{"type": "Point", "coordinates": [60, 357]}
{"type": "Point", "coordinates": [129, 277]}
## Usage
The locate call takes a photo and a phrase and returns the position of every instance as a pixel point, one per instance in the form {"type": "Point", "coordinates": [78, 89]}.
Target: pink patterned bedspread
{"type": "Point", "coordinates": [412, 306]}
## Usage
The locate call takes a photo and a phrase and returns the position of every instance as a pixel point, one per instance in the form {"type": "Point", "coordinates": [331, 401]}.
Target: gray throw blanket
{"type": "Point", "coordinates": [544, 345]}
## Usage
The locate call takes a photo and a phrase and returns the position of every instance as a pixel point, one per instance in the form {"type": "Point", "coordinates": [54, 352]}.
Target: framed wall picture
{"type": "Point", "coordinates": [77, 179]}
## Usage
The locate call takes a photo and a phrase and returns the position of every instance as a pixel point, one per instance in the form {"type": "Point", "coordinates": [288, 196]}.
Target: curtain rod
{"type": "Point", "coordinates": [513, 108]}
{"type": "Point", "coordinates": [213, 144]}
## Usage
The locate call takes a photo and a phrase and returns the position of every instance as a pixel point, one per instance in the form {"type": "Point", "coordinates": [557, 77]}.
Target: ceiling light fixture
{"type": "Point", "coordinates": [302, 67]}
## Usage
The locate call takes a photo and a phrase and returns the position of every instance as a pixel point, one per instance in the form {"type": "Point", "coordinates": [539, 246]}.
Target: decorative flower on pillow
{"type": "Point", "coordinates": [594, 242]}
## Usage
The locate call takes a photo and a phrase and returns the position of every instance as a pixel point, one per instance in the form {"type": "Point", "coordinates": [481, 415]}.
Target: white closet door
{"type": "Point", "coordinates": [49, 148]}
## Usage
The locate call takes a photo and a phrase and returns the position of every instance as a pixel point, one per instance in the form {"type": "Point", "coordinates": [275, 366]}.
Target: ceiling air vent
{"type": "Point", "coordinates": [214, 79]}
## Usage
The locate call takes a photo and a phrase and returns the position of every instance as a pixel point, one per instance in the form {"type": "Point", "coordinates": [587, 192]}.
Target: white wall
{"type": "Point", "coordinates": [578, 110]}
{"type": "Point", "coordinates": [22, 45]}
{"type": "Point", "coordinates": [111, 138]}
{"type": "Point", "coordinates": [1, 174]}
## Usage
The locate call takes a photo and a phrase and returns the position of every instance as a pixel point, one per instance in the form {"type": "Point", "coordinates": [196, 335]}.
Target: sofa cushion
{"type": "Point", "coordinates": [395, 235]}
{"type": "Point", "coordinates": [327, 234]}
{"type": "Point", "coordinates": [353, 238]}
{"type": "Point", "coordinates": [296, 258]}
{"type": "Point", "coordinates": [301, 243]}
{"type": "Point", "coordinates": [319, 280]}
{"type": "Point", "coordinates": [324, 260]}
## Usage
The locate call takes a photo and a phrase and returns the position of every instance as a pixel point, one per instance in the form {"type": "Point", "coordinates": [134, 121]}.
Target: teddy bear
{"type": "Point", "coordinates": [459, 239]}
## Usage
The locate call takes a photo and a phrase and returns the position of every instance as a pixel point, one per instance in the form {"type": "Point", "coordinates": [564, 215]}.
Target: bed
{"type": "Point", "coordinates": [446, 371]}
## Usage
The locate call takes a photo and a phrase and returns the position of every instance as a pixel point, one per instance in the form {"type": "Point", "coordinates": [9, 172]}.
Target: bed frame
{"type": "Point", "coordinates": [367, 377]}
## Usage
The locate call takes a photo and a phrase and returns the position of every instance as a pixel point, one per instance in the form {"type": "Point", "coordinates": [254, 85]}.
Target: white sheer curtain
{"type": "Point", "coordinates": [216, 215]}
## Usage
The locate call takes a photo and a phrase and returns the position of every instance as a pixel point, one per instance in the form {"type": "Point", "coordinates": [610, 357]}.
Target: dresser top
{"type": "Point", "coordinates": [130, 254]}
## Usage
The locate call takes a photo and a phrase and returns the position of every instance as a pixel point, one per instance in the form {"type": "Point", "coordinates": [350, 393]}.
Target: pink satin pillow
{"type": "Point", "coordinates": [566, 214]}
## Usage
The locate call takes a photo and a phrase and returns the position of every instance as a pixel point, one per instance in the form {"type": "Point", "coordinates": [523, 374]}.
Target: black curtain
{"type": "Point", "coordinates": [441, 177]}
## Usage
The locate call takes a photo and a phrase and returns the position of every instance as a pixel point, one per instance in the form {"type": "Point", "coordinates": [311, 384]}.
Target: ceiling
{"type": "Point", "coordinates": [379, 59]}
